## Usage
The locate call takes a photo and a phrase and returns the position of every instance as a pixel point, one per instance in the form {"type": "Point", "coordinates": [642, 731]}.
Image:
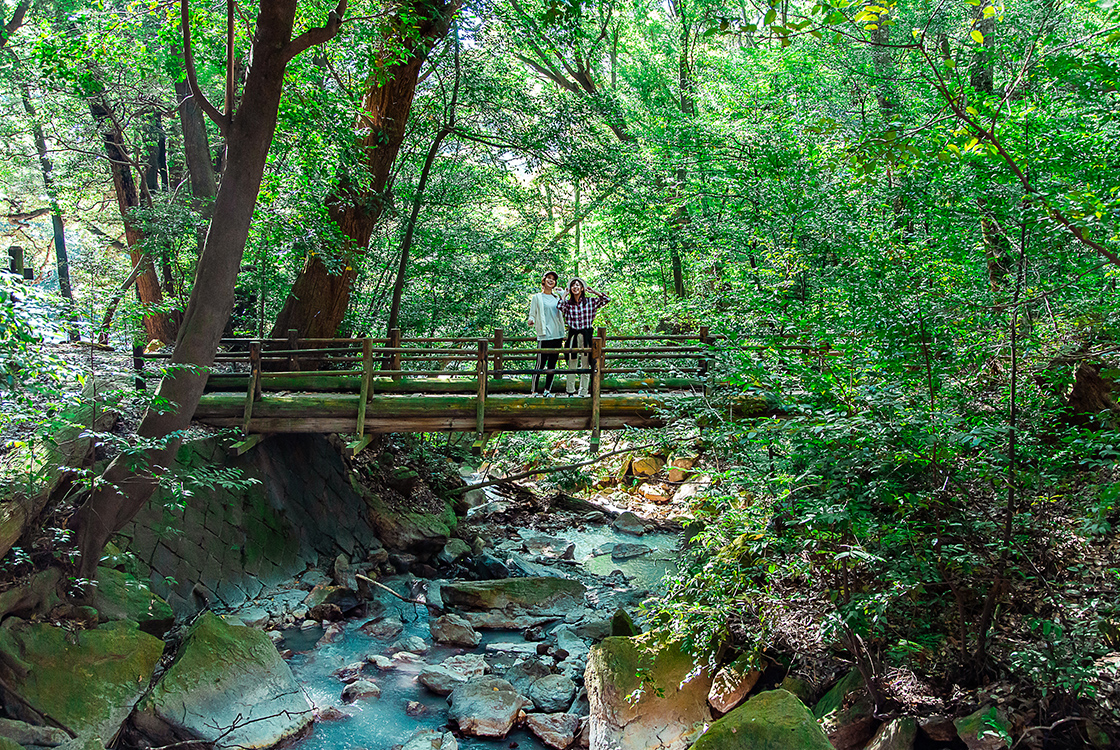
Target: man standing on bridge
{"type": "Point", "coordinates": [544, 316]}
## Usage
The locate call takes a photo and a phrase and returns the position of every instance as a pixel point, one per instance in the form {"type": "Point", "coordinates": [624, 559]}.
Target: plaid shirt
{"type": "Point", "coordinates": [582, 314]}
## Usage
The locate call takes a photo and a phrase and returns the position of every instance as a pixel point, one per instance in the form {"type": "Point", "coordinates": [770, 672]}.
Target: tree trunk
{"type": "Point", "coordinates": [62, 260]}
{"type": "Point", "coordinates": [320, 296]}
{"type": "Point", "coordinates": [159, 326]}
{"type": "Point", "coordinates": [410, 228]}
{"type": "Point", "coordinates": [196, 147]}
{"type": "Point", "coordinates": [130, 479]}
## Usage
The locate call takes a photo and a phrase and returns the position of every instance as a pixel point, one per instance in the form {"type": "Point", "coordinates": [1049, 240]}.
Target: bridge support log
{"type": "Point", "coordinates": [438, 413]}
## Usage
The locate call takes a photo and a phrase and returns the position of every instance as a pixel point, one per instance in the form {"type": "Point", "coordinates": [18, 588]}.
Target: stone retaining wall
{"type": "Point", "coordinates": [236, 541]}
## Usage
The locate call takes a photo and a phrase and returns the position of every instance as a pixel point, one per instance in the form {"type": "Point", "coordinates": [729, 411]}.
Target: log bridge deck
{"type": "Point", "coordinates": [367, 386]}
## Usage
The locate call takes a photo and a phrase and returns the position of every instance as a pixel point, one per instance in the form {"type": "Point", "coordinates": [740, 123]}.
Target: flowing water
{"type": "Point", "coordinates": [380, 723]}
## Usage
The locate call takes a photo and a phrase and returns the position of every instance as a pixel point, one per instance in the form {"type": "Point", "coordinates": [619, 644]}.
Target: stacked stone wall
{"type": "Point", "coordinates": [223, 545]}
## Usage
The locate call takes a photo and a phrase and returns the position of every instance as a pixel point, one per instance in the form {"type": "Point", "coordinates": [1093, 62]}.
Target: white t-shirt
{"type": "Point", "coordinates": [544, 315]}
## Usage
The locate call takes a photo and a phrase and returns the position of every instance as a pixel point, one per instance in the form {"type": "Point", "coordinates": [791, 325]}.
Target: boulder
{"type": "Point", "coordinates": [22, 733]}
{"type": "Point", "coordinates": [633, 713]}
{"type": "Point", "coordinates": [453, 551]}
{"type": "Point", "coordinates": [360, 689]}
{"type": "Point", "coordinates": [120, 596]}
{"type": "Point", "coordinates": [848, 723]}
{"type": "Point", "coordinates": [646, 466]}
{"type": "Point", "coordinates": [10, 744]}
{"type": "Point", "coordinates": [938, 728]}
{"type": "Point", "coordinates": [548, 546]}
{"type": "Point", "coordinates": [430, 739]}
{"type": "Point", "coordinates": [525, 672]}
{"type": "Point", "coordinates": [453, 672]}
{"type": "Point", "coordinates": [383, 628]}
{"type": "Point", "coordinates": [441, 680]}
{"type": "Point", "coordinates": [628, 523]}
{"type": "Point", "coordinates": [112, 664]}
{"type": "Point", "coordinates": [628, 551]}
{"type": "Point", "coordinates": [732, 683]}
{"type": "Point", "coordinates": [498, 620]}
{"type": "Point", "coordinates": [453, 630]}
{"type": "Point", "coordinates": [773, 720]}
{"type": "Point", "coordinates": [423, 534]}
{"type": "Point", "coordinates": [324, 595]}
{"type": "Point", "coordinates": [412, 643]}
{"type": "Point", "coordinates": [557, 731]}
{"type": "Point", "coordinates": [623, 624]}
{"type": "Point", "coordinates": [802, 689]}
{"type": "Point", "coordinates": [227, 686]}
{"type": "Point", "coordinates": [552, 693]}
{"type": "Point", "coordinates": [485, 707]}
{"type": "Point", "coordinates": [515, 595]}
{"type": "Point", "coordinates": [896, 734]}
{"type": "Point", "coordinates": [344, 573]}
{"type": "Point", "coordinates": [655, 492]}
{"type": "Point", "coordinates": [986, 729]}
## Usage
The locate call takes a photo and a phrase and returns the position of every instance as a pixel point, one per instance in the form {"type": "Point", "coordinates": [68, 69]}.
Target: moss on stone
{"type": "Point", "coordinates": [834, 698]}
{"type": "Point", "coordinates": [112, 665]}
{"type": "Point", "coordinates": [119, 596]}
{"type": "Point", "coordinates": [513, 593]}
{"type": "Point", "coordinates": [773, 720]}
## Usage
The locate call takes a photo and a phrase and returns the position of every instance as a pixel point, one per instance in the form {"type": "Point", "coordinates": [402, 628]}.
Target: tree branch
{"type": "Point", "coordinates": [564, 467]}
{"type": "Point", "coordinates": [192, 78]}
{"type": "Point", "coordinates": [17, 20]}
{"type": "Point", "coordinates": [317, 35]}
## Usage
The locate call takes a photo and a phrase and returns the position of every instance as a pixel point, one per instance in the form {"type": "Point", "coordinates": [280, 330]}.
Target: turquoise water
{"type": "Point", "coordinates": [380, 723]}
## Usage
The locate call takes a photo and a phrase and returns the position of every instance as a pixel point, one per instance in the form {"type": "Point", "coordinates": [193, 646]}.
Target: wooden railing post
{"type": "Point", "coordinates": [367, 379]}
{"type": "Point", "coordinates": [702, 364]}
{"type": "Point", "coordinates": [138, 366]}
{"type": "Point", "coordinates": [480, 407]}
{"type": "Point", "coordinates": [598, 360]}
{"type": "Point", "coordinates": [395, 357]}
{"type": "Point", "coordinates": [15, 260]}
{"type": "Point", "coordinates": [499, 334]}
{"type": "Point", "coordinates": [254, 390]}
{"type": "Point", "coordinates": [293, 344]}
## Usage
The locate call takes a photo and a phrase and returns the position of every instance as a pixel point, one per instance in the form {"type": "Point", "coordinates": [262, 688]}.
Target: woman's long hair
{"type": "Point", "coordinates": [582, 292]}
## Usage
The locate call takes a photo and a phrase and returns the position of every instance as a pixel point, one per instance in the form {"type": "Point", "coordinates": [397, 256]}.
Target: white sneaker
{"type": "Point", "coordinates": [584, 394]}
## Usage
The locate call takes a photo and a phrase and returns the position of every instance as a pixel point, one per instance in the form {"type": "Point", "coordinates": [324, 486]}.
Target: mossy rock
{"type": "Point", "coordinates": [773, 720]}
{"type": "Point", "coordinates": [514, 594]}
{"type": "Point", "coordinates": [423, 534]}
{"type": "Point", "coordinates": [7, 744]}
{"type": "Point", "coordinates": [119, 596]}
{"type": "Point", "coordinates": [87, 680]}
{"type": "Point", "coordinates": [622, 624]}
{"type": "Point", "coordinates": [833, 700]}
{"type": "Point", "coordinates": [642, 692]}
{"type": "Point", "coordinates": [802, 689]}
{"type": "Point", "coordinates": [986, 729]}
{"type": "Point", "coordinates": [225, 677]}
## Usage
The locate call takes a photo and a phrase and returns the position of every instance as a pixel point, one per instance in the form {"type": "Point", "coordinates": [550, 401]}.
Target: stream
{"type": "Point", "coordinates": [405, 706]}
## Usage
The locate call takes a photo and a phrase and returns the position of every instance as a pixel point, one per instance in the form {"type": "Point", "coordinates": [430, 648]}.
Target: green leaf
{"type": "Point", "coordinates": [977, 36]}
{"type": "Point", "coordinates": [770, 16]}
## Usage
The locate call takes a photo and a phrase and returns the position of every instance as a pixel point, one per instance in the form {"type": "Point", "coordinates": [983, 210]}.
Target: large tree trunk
{"type": "Point", "coordinates": [319, 297]}
{"type": "Point", "coordinates": [159, 326]}
{"type": "Point", "coordinates": [129, 481]}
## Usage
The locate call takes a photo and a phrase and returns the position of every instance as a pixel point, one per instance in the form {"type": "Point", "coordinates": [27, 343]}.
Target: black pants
{"type": "Point", "coordinates": [578, 338]}
{"type": "Point", "coordinates": [546, 361]}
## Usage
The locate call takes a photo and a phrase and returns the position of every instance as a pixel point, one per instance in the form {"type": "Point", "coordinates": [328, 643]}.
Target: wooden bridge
{"type": "Point", "coordinates": [483, 385]}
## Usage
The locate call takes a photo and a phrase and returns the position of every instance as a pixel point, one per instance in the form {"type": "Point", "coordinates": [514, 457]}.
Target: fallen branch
{"type": "Point", "coordinates": [564, 467]}
{"type": "Point", "coordinates": [432, 608]}
{"type": "Point", "coordinates": [110, 311]}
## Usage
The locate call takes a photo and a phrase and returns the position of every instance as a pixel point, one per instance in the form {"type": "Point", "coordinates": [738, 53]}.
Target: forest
{"type": "Point", "coordinates": [900, 222]}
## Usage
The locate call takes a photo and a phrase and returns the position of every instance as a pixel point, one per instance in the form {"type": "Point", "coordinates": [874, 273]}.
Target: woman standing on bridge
{"type": "Point", "coordinates": [579, 313]}
{"type": "Point", "coordinates": [544, 316]}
